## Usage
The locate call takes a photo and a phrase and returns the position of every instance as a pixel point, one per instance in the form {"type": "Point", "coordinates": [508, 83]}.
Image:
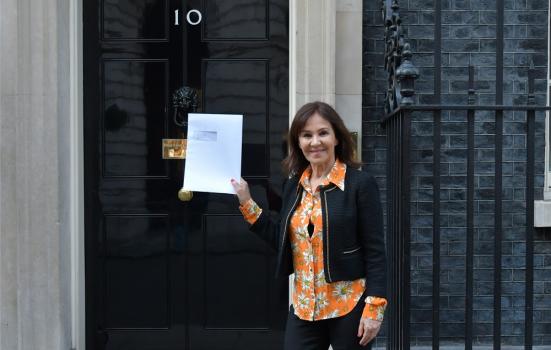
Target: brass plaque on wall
{"type": "Point", "coordinates": [174, 148]}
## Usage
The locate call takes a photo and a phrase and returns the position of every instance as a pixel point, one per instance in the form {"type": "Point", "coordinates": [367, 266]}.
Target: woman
{"type": "Point", "coordinates": [330, 236]}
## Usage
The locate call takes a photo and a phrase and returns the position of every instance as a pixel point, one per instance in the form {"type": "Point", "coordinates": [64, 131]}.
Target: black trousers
{"type": "Point", "coordinates": [341, 332]}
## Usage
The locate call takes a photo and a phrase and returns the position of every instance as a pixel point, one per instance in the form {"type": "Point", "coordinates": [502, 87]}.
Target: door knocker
{"type": "Point", "coordinates": [184, 101]}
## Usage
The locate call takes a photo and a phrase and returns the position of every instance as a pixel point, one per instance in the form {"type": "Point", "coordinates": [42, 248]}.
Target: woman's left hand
{"type": "Point", "coordinates": [367, 330]}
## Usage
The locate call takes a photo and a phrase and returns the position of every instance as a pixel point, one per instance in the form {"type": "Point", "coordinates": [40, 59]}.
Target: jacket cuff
{"type": "Point", "coordinates": [251, 211]}
{"type": "Point", "coordinates": [374, 308]}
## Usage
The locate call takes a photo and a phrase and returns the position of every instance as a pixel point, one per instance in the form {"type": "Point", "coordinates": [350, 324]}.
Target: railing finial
{"type": "Point", "coordinates": [531, 84]}
{"type": "Point", "coordinates": [401, 71]}
{"type": "Point", "coordinates": [406, 75]}
{"type": "Point", "coordinates": [472, 92]}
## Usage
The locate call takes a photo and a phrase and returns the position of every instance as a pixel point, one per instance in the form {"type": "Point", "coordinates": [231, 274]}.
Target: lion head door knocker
{"type": "Point", "coordinates": [184, 101]}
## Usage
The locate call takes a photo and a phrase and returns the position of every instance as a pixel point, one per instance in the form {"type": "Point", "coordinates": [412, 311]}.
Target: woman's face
{"type": "Point", "coordinates": [317, 141]}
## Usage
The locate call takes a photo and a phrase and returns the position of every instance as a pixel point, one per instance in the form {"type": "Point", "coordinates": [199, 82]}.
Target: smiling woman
{"type": "Point", "coordinates": [330, 235]}
{"type": "Point", "coordinates": [309, 117]}
{"type": "Point", "coordinates": [317, 142]}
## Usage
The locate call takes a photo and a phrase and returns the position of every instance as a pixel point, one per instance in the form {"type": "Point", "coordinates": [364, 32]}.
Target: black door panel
{"type": "Point", "coordinates": [135, 19]}
{"type": "Point", "coordinates": [161, 273]}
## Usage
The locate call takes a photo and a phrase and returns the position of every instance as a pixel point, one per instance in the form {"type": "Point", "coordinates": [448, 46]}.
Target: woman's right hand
{"type": "Point", "coordinates": [241, 190]}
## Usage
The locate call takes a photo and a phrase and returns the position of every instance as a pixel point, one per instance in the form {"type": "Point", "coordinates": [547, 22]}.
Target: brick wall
{"type": "Point", "coordinates": [468, 36]}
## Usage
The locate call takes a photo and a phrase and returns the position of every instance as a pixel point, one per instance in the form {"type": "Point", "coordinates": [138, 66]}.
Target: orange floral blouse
{"type": "Point", "coordinates": [313, 298]}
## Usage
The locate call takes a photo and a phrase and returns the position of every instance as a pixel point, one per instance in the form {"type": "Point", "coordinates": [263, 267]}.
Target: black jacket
{"type": "Point", "coordinates": [353, 238]}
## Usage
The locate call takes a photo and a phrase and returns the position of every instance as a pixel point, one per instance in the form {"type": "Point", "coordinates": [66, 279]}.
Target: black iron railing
{"type": "Point", "coordinates": [398, 129]}
{"type": "Point", "coordinates": [399, 107]}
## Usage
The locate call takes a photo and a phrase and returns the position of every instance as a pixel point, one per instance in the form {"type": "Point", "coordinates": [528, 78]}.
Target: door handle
{"type": "Point", "coordinates": [185, 195]}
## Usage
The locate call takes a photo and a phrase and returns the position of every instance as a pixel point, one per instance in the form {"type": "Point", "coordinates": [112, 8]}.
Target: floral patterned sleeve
{"type": "Point", "coordinates": [374, 308]}
{"type": "Point", "coordinates": [251, 211]}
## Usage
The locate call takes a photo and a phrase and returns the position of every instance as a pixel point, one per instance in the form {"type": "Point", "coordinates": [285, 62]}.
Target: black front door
{"type": "Point", "coordinates": [162, 273]}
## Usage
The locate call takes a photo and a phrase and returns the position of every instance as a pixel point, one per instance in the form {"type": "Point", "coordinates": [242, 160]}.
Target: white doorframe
{"type": "Point", "coordinates": [76, 177]}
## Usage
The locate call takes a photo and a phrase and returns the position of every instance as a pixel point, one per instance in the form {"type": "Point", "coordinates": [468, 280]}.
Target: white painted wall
{"type": "Point", "coordinates": [34, 242]}
{"type": "Point", "coordinates": [312, 52]}
{"type": "Point", "coordinates": [325, 51]}
{"type": "Point", "coordinates": [348, 65]}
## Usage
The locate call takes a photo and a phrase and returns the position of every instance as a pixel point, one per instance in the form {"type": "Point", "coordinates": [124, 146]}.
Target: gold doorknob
{"type": "Point", "coordinates": [185, 195]}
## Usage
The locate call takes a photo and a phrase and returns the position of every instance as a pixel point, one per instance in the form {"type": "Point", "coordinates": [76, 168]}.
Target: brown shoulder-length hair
{"type": "Point", "coordinates": [295, 162]}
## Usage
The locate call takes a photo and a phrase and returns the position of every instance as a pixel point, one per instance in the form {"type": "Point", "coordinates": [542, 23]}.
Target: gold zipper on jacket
{"type": "Point", "coordinates": [351, 251]}
{"type": "Point", "coordinates": [327, 233]}
{"type": "Point", "coordinates": [287, 219]}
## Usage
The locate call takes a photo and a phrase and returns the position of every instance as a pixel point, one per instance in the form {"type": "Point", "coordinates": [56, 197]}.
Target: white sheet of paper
{"type": "Point", "coordinates": [213, 154]}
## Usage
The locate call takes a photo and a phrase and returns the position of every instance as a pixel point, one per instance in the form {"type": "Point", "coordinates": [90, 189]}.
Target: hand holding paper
{"type": "Point", "coordinates": [241, 188]}
{"type": "Point", "coordinates": [213, 152]}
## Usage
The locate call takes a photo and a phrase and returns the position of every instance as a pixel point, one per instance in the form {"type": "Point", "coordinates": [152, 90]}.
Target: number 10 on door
{"type": "Point", "coordinates": [193, 17]}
